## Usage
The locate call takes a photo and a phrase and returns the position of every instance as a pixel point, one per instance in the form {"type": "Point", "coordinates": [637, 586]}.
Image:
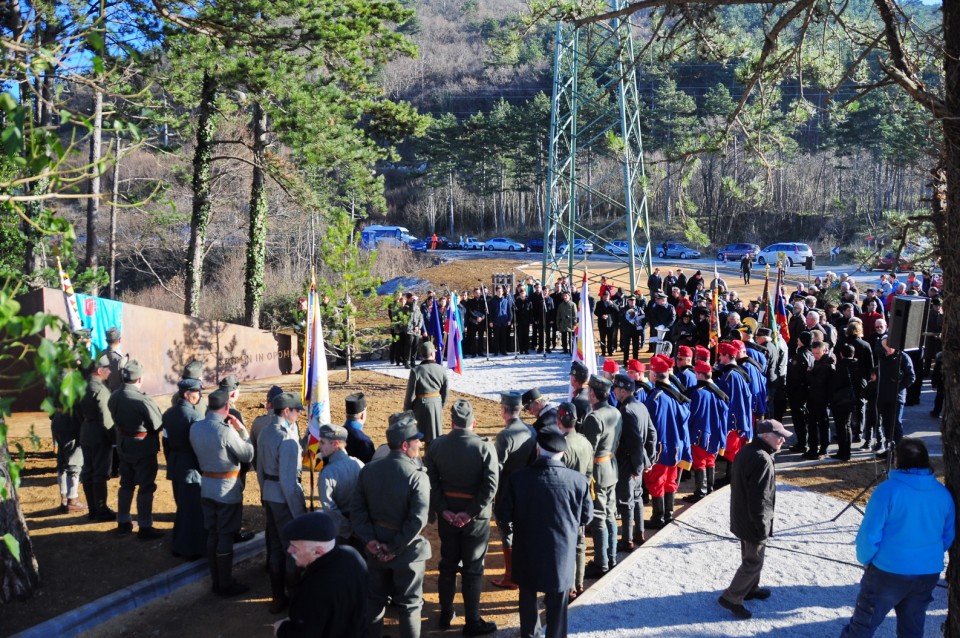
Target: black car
{"type": "Point", "coordinates": [535, 244]}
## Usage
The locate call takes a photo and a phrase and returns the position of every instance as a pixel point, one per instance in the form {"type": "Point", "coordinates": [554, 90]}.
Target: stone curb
{"type": "Point", "coordinates": [85, 618]}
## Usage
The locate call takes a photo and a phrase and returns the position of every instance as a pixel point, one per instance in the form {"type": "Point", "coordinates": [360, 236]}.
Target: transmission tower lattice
{"type": "Point", "coordinates": [596, 179]}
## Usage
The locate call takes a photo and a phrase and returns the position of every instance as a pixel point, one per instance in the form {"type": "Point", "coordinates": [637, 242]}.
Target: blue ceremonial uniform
{"type": "Point", "coordinates": [709, 416]}
{"type": "Point", "coordinates": [758, 384]}
{"type": "Point", "coordinates": [735, 383]}
{"type": "Point", "coordinates": [687, 377]}
{"type": "Point", "coordinates": [670, 417]}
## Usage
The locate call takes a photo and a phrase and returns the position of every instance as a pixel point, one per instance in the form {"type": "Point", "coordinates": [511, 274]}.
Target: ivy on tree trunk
{"type": "Point", "coordinates": [202, 173]}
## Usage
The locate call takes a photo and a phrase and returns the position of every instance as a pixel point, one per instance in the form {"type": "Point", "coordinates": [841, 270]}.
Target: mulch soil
{"type": "Point", "coordinates": [81, 561]}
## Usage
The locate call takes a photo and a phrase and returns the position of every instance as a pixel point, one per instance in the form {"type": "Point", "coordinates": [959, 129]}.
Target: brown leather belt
{"type": "Point", "coordinates": [138, 435]}
{"type": "Point", "coordinates": [430, 394]}
{"type": "Point", "coordinates": [386, 525]}
{"type": "Point", "coordinates": [221, 475]}
{"type": "Point", "coordinates": [602, 459]}
{"type": "Point", "coordinates": [463, 495]}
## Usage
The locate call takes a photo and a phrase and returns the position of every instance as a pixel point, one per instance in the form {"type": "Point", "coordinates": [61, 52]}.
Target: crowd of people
{"type": "Point", "coordinates": [588, 463]}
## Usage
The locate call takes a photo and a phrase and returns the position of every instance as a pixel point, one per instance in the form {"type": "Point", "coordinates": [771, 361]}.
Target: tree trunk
{"type": "Point", "coordinates": [450, 230]}
{"type": "Point", "coordinates": [257, 243]}
{"type": "Point", "coordinates": [113, 218]}
{"type": "Point", "coordinates": [202, 174]}
{"type": "Point", "coordinates": [93, 203]}
{"type": "Point", "coordinates": [19, 580]}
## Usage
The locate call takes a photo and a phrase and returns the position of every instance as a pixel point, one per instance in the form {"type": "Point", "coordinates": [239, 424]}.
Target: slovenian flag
{"type": "Point", "coordinates": [454, 330]}
{"type": "Point", "coordinates": [780, 311]}
{"type": "Point", "coordinates": [69, 298]}
{"type": "Point", "coordinates": [315, 390]}
{"type": "Point", "coordinates": [435, 331]}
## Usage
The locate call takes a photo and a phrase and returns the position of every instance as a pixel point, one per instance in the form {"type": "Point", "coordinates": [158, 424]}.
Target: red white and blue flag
{"type": "Point", "coordinates": [454, 330]}
{"type": "Point", "coordinates": [780, 311]}
{"type": "Point", "coordinates": [435, 330]}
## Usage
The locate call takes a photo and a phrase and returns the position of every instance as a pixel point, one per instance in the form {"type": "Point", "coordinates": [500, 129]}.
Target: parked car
{"type": "Point", "coordinates": [503, 243]}
{"type": "Point", "coordinates": [580, 246]}
{"type": "Point", "coordinates": [535, 244]}
{"type": "Point", "coordinates": [676, 249]}
{"type": "Point", "coordinates": [795, 253]}
{"type": "Point", "coordinates": [418, 245]}
{"type": "Point", "coordinates": [621, 248]}
{"type": "Point", "coordinates": [905, 263]}
{"type": "Point", "coordinates": [736, 252]}
{"type": "Point", "coordinates": [471, 243]}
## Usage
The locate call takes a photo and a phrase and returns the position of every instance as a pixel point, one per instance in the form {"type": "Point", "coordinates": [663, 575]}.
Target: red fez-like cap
{"type": "Point", "coordinates": [636, 366]}
{"type": "Point", "coordinates": [684, 351]}
{"type": "Point", "coordinates": [661, 363]}
{"type": "Point", "coordinates": [728, 349]}
{"type": "Point", "coordinates": [736, 343]}
{"type": "Point", "coordinates": [702, 367]}
{"type": "Point", "coordinates": [702, 353]}
{"type": "Point", "coordinates": [609, 365]}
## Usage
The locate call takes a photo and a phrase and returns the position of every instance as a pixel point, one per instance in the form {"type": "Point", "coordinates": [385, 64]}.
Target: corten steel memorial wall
{"type": "Point", "coordinates": [164, 342]}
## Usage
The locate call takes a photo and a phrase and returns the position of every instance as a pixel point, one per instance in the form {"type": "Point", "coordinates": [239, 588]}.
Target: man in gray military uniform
{"type": "Point", "coordinates": [138, 420]}
{"type": "Point", "coordinates": [578, 457]}
{"type": "Point", "coordinates": [515, 445]}
{"type": "Point", "coordinates": [221, 444]}
{"type": "Point", "coordinates": [390, 509]}
{"type": "Point", "coordinates": [97, 437]}
{"type": "Point", "coordinates": [602, 428]}
{"type": "Point", "coordinates": [427, 393]}
{"type": "Point", "coordinates": [415, 329]}
{"type": "Point", "coordinates": [463, 470]}
{"type": "Point", "coordinates": [278, 471]}
{"type": "Point", "coordinates": [581, 395]}
{"type": "Point", "coordinates": [117, 360]}
{"type": "Point", "coordinates": [338, 481]}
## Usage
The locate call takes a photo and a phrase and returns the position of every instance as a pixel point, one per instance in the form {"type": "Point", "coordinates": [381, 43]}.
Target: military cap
{"type": "Point", "coordinates": [702, 367]}
{"type": "Point", "coordinates": [81, 333]}
{"type": "Point", "coordinates": [551, 439]}
{"type": "Point", "coordinates": [132, 371]}
{"type": "Point", "coordinates": [403, 427]}
{"type": "Point", "coordinates": [579, 371]}
{"type": "Point", "coordinates": [112, 335]}
{"type": "Point", "coordinates": [634, 365]}
{"type": "Point", "coordinates": [739, 345]}
{"type": "Point", "coordinates": [768, 426]}
{"type": "Point", "coordinates": [728, 349]}
{"type": "Point", "coordinates": [661, 363]}
{"type": "Point", "coordinates": [356, 403]}
{"type": "Point", "coordinates": [567, 414]}
{"type": "Point", "coordinates": [273, 393]}
{"type": "Point", "coordinates": [745, 329]}
{"type": "Point", "coordinates": [685, 351]}
{"type": "Point", "coordinates": [510, 399]}
{"type": "Point", "coordinates": [764, 332]}
{"type": "Point", "coordinates": [333, 432]}
{"type": "Point", "coordinates": [701, 353]}
{"type": "Point", "coordinates": [624, 382]}
{"type": "Point", "coordinates": [193, 370]}
{"type": "Point", "coordinates": [229, 383]}
{"type": "Point", "coordinates": [103, 361]}
{"type": "Point", "coordinates": [611, 366]}
{"type": "Point", "coordinates": [631, 298]}
{"type": "Point", "coordinates": [313, 526]}
{"type": "Point", "coordinates": [530, 396]}
{"type": "Point", "coordinates": [283, 401]}
{"type": "Point", "coordinates": [661, 295]}
{"type": "Point", "coordinates": [426, 350]}
{"type": "Point", "coordinates": [219, 398]}
{"type": "Point", "coordinates": [189, 385]}
{"type": "Point", "coordinates": [600, 384]}
{"type": "Point", "coordinates": [461, 413]}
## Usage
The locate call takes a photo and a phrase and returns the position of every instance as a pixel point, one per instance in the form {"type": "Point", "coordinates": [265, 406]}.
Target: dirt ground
{"type": "Point", "coordinates": [81, 561]}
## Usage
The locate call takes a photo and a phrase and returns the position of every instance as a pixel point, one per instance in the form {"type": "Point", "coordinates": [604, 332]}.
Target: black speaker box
{"type": "Point", "coordinates": [907, 320]}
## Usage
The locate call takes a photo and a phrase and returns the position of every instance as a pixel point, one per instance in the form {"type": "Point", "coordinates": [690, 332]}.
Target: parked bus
{"type": "Point", "coordinates": [373, 235]}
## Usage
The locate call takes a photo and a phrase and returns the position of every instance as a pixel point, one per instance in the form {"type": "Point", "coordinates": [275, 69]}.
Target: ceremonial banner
{"type": "Point", "coordinates": [715, 316]}
{"type": "Point", "coordinates": [583, 348]}
{"type": "Point", "coordinates": [454, 330]}
{"type": "Point", "coordinates": [780, 308]}
{"type": "Point", "coordinates": [315, 391]}
{"type": "Point", "coordinates": [69, 298]}
{"type": "Point", "coordinates": [435, 331]}
{"type": "Point", "coordinates": [767, 318]}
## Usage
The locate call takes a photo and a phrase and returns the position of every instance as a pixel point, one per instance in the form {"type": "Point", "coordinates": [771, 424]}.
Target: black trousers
{"type": "Point", "coordinates": [798, 408]}
{"type": "Point", "coordinates": [556, 604]}
{"type": "Point", "coordinates": [476, 343]}
{"type": "Point", "coordinates": [818, 431]}
{"type": "Point", "coordinates": [538, 338]}
{"type": "Point", "coordinates": [631, 339]}
{"type": "Point", "coordinates": [410, 353]}
{"type": "Point", "coordinates": [523, 336]}
{"type": "Point", "coordinates": [504, 342]}
{"type": "Point", "coordinates": [607, 345]}
{"type": "Point", "coordinates": [843, 419]}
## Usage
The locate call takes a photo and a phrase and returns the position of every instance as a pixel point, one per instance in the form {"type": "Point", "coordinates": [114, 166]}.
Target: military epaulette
{"type": "Point", "coordinates": [712, 387]}
{"type": "Point", "coordinates": [673, 392]}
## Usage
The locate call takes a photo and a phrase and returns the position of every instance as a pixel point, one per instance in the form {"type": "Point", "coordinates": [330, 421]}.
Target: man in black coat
{"type": "Point", "coordinates": [638, 443]}
{"type": "Point", "coordinates": [331, 597]}
{"type": "Point", "coordinates": [655, 282]}
{"type": "Point", "coordinates": [547, 504]}
{"type": "Point", "coordinates": [753, 495]}
{"type": "Point", "coordinates": [608, 316]}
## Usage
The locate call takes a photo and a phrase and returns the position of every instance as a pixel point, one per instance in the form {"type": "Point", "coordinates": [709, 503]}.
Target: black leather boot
{"type": "Point", "coordinates": [668, 507]}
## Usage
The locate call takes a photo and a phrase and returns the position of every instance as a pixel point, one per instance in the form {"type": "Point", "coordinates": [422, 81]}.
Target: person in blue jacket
{"type": "Point", "coordinates": [709, 410]}
{"type": "Point", "coordinates": [907, 527]}
{"type": "Point", "coordinates": [670, 411]}
{"type": "Point", "coordinates": [735, 383]}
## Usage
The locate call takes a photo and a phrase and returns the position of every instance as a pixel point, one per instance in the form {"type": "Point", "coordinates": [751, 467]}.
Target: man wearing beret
{"type": "Point", "coordinates": [390, 508]}
{"type": "Point", "coordinates": [138, 422]}
{"type": "Point", "coordinates": [183, 470]}
{"type": "Point", "coordinates": [338, 481]}
{"type": "Point", "coordinates": [97, 437]}
{"type": "Point", "coordinates": [332, 593]}
{"type": "Point", "coordinates": [427, 392]}
{"type": "Point", "coordinates": [579, 458]}
{"type": "Point", "coordinates": [709, 416]}
{"type": "Point", "coordinates": [359, 445]}
{"type": "Point", "coordinates": [537, 405]}
{"type": "Point", "coordinates": [670, 411]}
{"type": "Point", "coordinates": [547, 503]}
{"type": "Point", "coordinates": [221, 444]}
{"type": "Point", "coordinates": [581, 395]}
{"type": "Point", "coordinates": [638, 444]}
{"type": "Point", "coordinates": [753, 493]}
{"type": "Point", "coordinates": [278, 471]}
{"type": "Point", "coordinates": [602, 428]}
{"type": "Point", "coordinates": [735, 383]}
{"type": "Point", "coordinates": [464, 472]}
{"type": "Point", "coordinates": [514, 445]}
